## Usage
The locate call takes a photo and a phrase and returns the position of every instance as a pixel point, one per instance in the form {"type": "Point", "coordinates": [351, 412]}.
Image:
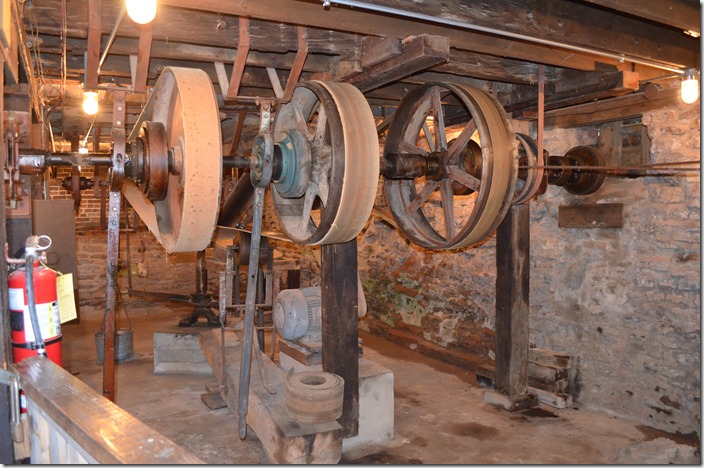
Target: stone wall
{"type": "Point", "coordinates": [624, 302]}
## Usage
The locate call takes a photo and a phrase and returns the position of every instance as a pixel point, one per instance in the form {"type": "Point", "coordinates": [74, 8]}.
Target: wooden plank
{"type": "Point", "coordinates": [677, 13]}
{"type": "Point", "coordinates": [618, 108]}
{"type": "Point", "coordinates": [550, 358]}
{"type": "Point", "coordinates": [339, 325]}
{"type": "Point", "coordinates": [84, 414]}
{"type": "Point", "coordinates": [591, 215]}
{"type": "Point", "coordinates": [143, 55]}
{"type": "Point", "coordinates": [419, 53]}
{"type": "Point", "coordinates": [283, 439]}
{"type": "Point", "coordinates": [512, 301]}
{"type": "Point", "coordinates": [93, 43]}
{"type": "Point", "coordinates": [38, 438]}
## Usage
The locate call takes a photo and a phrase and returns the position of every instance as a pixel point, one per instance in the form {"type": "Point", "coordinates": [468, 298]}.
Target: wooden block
{"type": "Point", "coordinates": [591, 215]}
{"type": "Point", "coordinates": [510, 403]}
{"type": "Point", "coordinates": [283, 439]}
{"type": "Point", "coordinates": [546, 374]}
{"type": "Point", "coordinates": [546, 357]}
{"type": "Point", "coordinates": [377, 49]}
{"type": "Point", "coordinates": [304, 355]}
{"type": "Point", "coordinates": [556, 400]}
{"type": "Point", "coordinates": [213, 400]}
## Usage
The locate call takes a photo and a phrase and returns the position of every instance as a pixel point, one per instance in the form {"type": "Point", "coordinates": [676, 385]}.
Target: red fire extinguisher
{"type": "Point", "coordinates": [34, 305]}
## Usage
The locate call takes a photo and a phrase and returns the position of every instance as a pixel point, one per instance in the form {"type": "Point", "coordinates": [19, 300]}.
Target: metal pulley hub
{"type": "Point", "coordinates": [292, 163]}
{"type": "Point", "coordinates": [150, 160]}
{"type": "Point", "coordinates": [565, 170]}
{"type": "Point", "coordinates": [263, 158]}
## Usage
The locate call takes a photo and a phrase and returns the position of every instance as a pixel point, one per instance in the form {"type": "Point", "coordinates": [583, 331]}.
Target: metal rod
{"type": "Point", "coordinates": [111, 39]}
{"type": "Point", "coordinates": [498, 32]}
{"type": "Point", "coordinates": [613, 168]}
{"type": "Point", "coordinates": [253, 268]}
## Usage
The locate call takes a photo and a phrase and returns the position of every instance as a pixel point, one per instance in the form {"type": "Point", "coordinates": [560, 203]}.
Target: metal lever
{"type": "Point", "coordinates": [10, 379]}
{"type": "Point", "coordinates": [263, 152]}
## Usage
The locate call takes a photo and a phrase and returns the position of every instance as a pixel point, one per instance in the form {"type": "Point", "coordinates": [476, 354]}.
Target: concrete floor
{"type": "Point", "coordinates": [440, 415]}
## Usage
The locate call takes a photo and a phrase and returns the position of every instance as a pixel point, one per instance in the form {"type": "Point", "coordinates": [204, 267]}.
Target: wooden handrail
{"type": "Point", "coordinates": [100, 429]}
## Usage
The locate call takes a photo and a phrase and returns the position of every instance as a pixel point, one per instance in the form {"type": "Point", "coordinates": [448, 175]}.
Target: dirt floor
{"type": "Point", "coordinates": [440, 414]}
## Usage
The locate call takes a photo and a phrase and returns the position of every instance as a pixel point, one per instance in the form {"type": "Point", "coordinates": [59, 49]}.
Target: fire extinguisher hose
{"type": "Point", "coordinates": [31, 304]}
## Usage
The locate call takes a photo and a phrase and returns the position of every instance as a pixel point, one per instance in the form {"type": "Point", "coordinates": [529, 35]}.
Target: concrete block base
{"type": "Point", "coordinates": [511, 404]}
{"type": "Point", "coordinates": [177, 351]}
{"type": "Point", "coordinates": [376, 400]}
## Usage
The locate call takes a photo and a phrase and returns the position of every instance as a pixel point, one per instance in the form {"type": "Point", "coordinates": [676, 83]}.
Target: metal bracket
{"type": "Point", "coordinates": [11, 379]}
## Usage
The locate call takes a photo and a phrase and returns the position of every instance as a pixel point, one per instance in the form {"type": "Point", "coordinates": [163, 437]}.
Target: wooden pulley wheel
{"type": "Point", "coordinates": [183, 218]}
{"type": "Point", "coordinates": [529, 178]}
{"type": "Point", "coordinates": [314, 397]}
{"type": "Point", "coordinates": [325, 189]}
{"type": "Point", "coordinates": [445, 122]}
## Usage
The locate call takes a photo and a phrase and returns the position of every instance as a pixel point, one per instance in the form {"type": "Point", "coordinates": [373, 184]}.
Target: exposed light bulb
{"type": "Point", "coordinates": [90, 102]}
{"type": "Point", "coordinates": [689, 89]}
{"type": "Point", "coordinates": [83, 150]}
{"type": "Point", "coordinates": [141, 11]}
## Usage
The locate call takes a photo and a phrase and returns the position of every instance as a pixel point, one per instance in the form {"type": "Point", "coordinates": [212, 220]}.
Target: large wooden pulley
{"type": "Point", "coordinates": [175, 180]}
{"type": "Point", "coordinates": [327, 173]}
{"type": "Point", "coordinates": [463, 191]}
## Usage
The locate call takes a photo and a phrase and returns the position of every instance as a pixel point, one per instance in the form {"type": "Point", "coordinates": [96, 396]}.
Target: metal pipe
{"type": "Point", "coordinates": [498, 32]}
{"type": "Point", "coordinates": [111, 39]}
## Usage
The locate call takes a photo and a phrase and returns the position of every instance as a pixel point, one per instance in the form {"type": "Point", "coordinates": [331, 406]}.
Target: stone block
{"type": "Point", "coordinates": [376, 400]}
{"type": "Point", "coordinates": [177, 351]}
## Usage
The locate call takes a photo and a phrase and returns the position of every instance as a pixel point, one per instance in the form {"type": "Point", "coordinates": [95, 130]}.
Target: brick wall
{"type": "Point", "coordinates": [88, 216]}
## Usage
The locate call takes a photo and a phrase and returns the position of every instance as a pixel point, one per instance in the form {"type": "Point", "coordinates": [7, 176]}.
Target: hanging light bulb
{"type": "Point", "coordinates": [83, 150]}
{"type": "Point", "coordinates": [141, 11]}
{"type": "Point", "coordinates": [689, 88]}
{"type": "Point", "coordinates": [90, 102]}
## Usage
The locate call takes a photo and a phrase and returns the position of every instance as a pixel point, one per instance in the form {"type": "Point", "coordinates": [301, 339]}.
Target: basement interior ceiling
{"type": "Point", "coordinates": [578, 43]}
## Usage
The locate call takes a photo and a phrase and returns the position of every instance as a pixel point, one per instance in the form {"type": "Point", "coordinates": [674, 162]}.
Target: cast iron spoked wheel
{"type": "Point", "coordinates": [529, 179]}
{"type": "Point", "coordinates": [325, 187]}
{"type": "Point", "coordinates": [464, 202]}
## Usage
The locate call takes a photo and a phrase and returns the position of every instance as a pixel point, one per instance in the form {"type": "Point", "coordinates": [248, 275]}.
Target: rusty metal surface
{"type": "Point", "coordinates": [434, 211]}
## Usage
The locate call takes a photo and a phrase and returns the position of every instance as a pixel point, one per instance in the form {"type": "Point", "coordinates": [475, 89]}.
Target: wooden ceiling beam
{"type": "Point", "coordinates": [93, 53]}
{"type": "Point", "coordinates": [618, 108]}
{"type": "Point", "coordinates": [553, 20]}
{"type": "Point", "coordinates": [195, 53]}
{"type": "Point", "coordinates": [357, 21]}
{"type": "Point", "coordinates": [141, 69]}
{"type": "Point", "coordinates": [570, 88]}
{"type": "Point", "coordinates": [196, 27]}
{"type": "Point", "coordinates": [489, 67]}
{"type": "Point", "coordinates": [419, 53]}
{"type": "Point", "coordinates": [676, 13]}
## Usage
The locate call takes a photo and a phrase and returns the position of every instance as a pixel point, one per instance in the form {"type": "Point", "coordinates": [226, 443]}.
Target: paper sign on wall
{"type": "Point", "coordinates": [67, 301]}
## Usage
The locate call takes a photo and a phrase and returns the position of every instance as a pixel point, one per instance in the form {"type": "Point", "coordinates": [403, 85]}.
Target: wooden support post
{"type": "Point", "coordinates": [93, 53]}
{"type": "Point", "coordinates": [340, 328]}
{"type": "Point", "coordinates": [512, 302]}
{"type": "Point", "coordinates": [141, 72]}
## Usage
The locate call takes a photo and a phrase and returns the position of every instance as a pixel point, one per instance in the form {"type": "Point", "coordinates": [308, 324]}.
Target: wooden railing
{"type": "Point", "coordinates": [69, 422]}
